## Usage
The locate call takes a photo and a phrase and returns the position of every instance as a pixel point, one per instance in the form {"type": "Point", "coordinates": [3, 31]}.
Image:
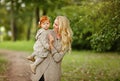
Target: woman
{"type": "Point", "coordinates": [60, 43]}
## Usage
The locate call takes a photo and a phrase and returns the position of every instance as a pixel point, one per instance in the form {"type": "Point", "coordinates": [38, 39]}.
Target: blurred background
{"type": "Point", "coordinates": [95, 23]}
{"type": "Point", "coordinates": [96, 40]}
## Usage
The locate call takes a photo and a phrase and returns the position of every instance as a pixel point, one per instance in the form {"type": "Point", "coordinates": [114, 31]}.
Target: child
{"type": "Point", "coordinates": [41, 46]}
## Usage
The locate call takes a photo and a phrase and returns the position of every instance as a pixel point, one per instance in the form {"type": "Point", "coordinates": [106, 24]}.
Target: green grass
{"type": "Point", "coordinates": [80, 65]}
{"type": "Point", "coordinates": [90, 66]}
{"type": "Point", "coordinates": [18, 45]}
{"type": "Point", "coordinates": [3, 68]}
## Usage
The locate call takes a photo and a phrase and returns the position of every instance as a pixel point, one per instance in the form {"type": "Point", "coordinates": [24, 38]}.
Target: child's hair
{"type": "Point", "coordinates": [43, 19]}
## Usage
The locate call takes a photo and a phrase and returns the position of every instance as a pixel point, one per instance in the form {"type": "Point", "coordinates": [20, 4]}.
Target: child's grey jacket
{"type": "Point", "coordinates": [41, 46]}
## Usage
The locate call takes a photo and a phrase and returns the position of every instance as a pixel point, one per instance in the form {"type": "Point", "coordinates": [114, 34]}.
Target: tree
{"type": "Point", "coordinates": [106, 39]}
{"type": "Point", "coordinates": [13, 21]}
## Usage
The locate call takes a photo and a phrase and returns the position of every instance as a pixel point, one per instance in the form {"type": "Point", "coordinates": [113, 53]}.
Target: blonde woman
{"type": "Point", "coordinates": [60, 43]}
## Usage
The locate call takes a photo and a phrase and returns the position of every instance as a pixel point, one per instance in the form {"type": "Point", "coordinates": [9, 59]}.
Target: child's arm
{"type": "Point", "coordinates": [38, 33]}
{"type": "Point", "coordinates": [45, 41]}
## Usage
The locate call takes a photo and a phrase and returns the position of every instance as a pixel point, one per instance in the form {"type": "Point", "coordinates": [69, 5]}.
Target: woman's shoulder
{"type": "Point", "coordinates": [51, 31]}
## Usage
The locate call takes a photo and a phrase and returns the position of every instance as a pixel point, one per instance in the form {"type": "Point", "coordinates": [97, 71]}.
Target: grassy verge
{"type": "Point", "coordinates": [18, 45]}
{"type": "Point", "coordinates": [3, 68]}
{"type": "Point", "coordinates": [90, 66]}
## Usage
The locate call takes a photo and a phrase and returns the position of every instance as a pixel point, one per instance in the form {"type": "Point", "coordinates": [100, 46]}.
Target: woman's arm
{"type": "Point", "coordinates": [57, 55]}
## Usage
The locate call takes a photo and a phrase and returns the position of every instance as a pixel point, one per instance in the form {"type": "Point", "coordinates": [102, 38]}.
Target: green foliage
{"type": "Point", "coordinates": [104, 40]}
{"type": "Point", "coordinates": [107, 38]}
{"type": "Point", "coordinates": [95, 24]}
{"type": "Point", "coordinates": [82, 31]}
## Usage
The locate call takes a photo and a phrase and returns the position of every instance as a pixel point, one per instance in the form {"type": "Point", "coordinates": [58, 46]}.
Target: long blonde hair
{"type": "Point", "coordinates": [65, 31]}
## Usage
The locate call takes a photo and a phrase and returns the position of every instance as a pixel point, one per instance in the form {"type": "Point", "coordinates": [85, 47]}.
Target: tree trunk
{"type": "Point", "coordinates": [37, 16]}
{"type": "Point", "coordinates": [29, 29]}
{"type": "Point", "coordinates": [44, 12]}
{"type": "Point", "coordinates": [13, 22]}
{"type": "Point", "coordinates": [28, 33]}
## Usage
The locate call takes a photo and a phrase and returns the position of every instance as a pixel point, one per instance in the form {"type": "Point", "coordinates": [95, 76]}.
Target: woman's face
{"type": "Point", "coordinates": [55, 25]}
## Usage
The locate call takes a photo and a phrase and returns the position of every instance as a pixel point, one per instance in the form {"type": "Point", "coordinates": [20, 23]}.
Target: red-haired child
{"type": "Point", "coordinates": [41, 46]}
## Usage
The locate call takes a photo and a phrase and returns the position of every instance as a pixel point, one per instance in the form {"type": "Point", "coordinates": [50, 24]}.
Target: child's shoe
{"type": "Point", "coordinates": [33, 68]}
{"type": "Point", "coordinates": [31, 58]}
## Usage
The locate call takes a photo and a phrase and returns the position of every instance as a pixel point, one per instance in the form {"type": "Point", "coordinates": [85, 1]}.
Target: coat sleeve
{"type": "Point", "coordinates": [45, 42]}
{"type": "Point", "coordinates": [37, 35]}
{"type": "Point", "coordinates": [57, 56]}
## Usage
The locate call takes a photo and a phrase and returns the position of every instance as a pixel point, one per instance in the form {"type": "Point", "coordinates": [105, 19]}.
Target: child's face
{"type": "Point", "coordinates": [45, 25]}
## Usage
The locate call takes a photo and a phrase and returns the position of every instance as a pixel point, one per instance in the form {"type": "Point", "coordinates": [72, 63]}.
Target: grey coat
{"type": "Point", "coordinates": [51, 65]}
{"type": "Point", "coordinates": [41, 46]}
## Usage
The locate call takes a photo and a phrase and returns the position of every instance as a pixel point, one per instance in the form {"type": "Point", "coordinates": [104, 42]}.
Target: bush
{"type": "Point", "coordinates": [108, 36]}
